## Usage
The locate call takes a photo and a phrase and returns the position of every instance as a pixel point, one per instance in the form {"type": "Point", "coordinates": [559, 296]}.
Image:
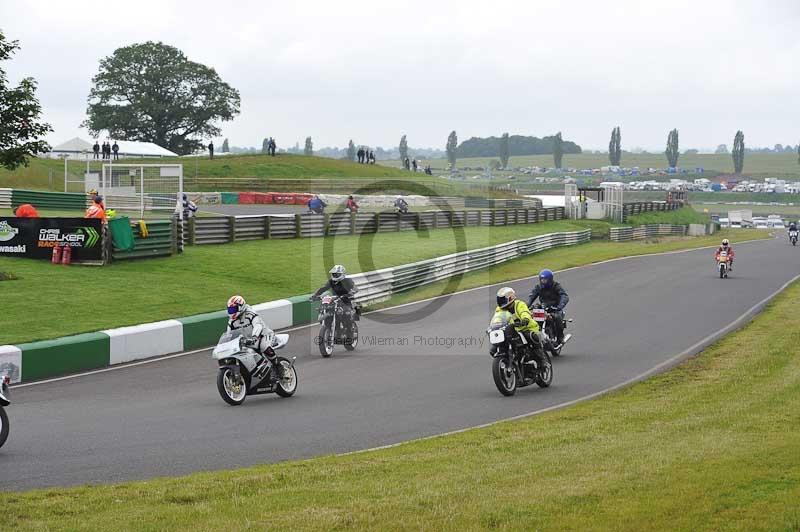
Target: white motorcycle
{"type": "Point", "coordinates": [723, 264]}
{"type": "Point", "coordinates": [793, 237]}
{"type": "Point", "coordinates": [244, 371]}
{"type": "Point", "coordinates": [5, 427]}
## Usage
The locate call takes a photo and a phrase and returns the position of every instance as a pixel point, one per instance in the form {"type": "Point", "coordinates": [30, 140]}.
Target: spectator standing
{"type": "Point", "coordinates": [272, 146]}
{"type": "Point", "coordinates": [406, 164]}
{"type": "Point", "coordinates": [115, 149]}
{"type": "Point", "coordinates": [414, 164]}
{"type": "Point", "coordinates": [96, 209]}
{"type": "Point", "coordinates": [96, 150]}
{"type": "Point", "coordinates": [371, 157]}
{"type": "Point", "coordinates": [211, 150]}
{"type": "Point", "coordinates": [360, 155]}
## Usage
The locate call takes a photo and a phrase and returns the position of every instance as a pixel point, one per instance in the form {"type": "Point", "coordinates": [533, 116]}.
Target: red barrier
{"type": "Point", "coordinates": [302, 198]}
{"type": "Point", "coordinates": [282, 198]}
{"type": "Point", "coordinates": [247, 198]}
{"type": "Point", "coordinates": [263, 198]}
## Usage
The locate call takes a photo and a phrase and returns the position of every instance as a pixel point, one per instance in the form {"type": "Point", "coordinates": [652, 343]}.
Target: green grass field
{"type": "Point", "coordinates": [712, 444]}
{"type": "Point", "coordinates": [202, 278]}
{"type": "Point", "coordinates": [247, 172]}
{"type": "Point", "coordinates": [683, 216]}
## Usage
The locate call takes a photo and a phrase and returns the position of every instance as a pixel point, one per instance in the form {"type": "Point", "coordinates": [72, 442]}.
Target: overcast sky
{"type": "Point", "coordinates": [345, 69]}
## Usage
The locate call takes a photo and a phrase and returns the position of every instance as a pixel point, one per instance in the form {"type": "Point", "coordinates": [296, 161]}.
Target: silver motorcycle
{"type": "Point", "coordinates": [244, 371]}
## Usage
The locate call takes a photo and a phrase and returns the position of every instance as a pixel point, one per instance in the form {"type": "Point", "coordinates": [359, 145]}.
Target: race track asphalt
{"type": "Point", "coordinates": [421, 376]}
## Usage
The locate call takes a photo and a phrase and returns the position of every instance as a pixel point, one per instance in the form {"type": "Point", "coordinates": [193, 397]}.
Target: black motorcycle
{"type": "Point", "coordinates": [547, 328]}
{"type": "Point", "coordinates": [793, 237]}
{"type": "Point", "coordinates": [338, 325]}
{"type": "Point", "coordinates": [513, 366]}
{"type": "Point", "coordinates": [5, 426]}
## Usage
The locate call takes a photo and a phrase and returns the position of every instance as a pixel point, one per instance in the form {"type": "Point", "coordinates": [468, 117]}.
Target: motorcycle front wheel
{"type": "Point", "coordinates": [505, 377]}
{"type": "Point", "coordinates": [721, 271]}
{"type": "Point", "coordinates": [288, 384]}
{"type": "Point", "coordinates": [325, 341]}
{"type": "Point", "coordinates": [5, 427]}
{"type": "Point", "coordinates": [231, 386]}
{"type": "Point", "coordinates": [351, 342]}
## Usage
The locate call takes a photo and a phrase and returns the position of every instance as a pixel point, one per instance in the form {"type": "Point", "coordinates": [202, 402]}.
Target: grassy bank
{"type": "Point", "coordinates": [202, 278]}
{"type": "Point", "coordinates": [683, 216]}
{"type": "Point", "coordinates": [710, 445]}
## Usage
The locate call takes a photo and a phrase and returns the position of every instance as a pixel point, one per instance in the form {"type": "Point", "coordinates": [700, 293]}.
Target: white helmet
{"type": "Point", "coordinates": [505, 297]}
{"type": "Point", "coordinates": [236, 305]}
{"type": "Point", "coordinates": [338, 273]}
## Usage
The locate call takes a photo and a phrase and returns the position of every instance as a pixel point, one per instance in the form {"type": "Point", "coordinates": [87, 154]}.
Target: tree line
{"type": "Point", "coordinates": [128, 94]}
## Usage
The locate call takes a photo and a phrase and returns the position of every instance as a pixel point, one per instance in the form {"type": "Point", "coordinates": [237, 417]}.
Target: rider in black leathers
{"type": "Point", "coordinates": [340, 285]}
{"type": "Point", "coordinates": [552, 296]}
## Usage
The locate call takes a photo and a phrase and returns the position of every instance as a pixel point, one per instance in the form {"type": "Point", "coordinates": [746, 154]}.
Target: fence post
{"type": "Point", "coordinates": [174, 231]}
{"type": "Point", "coordinates": [267, 223]}
{"type": "Point", "coordinates": [418, 225]}
{"type": "Point", "coordinates": [436, 219]}
{"type": "Point", "coordinates": [298, 226]}
{"type": "Point", "coordinates": [399, 217]}
{"type": "Point", "coordinates": [326, 224]}
{"type": "Point", "coordinates": [352, 223]}
{"type": "Point", "coordinates": [232, 228]}
{"type": "Point", "coordinates": [192, 232]}
{"type": "Point", "coordinates": [377, 219]}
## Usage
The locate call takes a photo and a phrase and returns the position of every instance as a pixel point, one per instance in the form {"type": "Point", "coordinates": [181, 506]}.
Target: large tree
{"type": "Point", "coordinates": [21, 130]}
{"type": "Point", "coordinates": [265, 145]}
{"type": "Point", "coordinates": [403, 148]}
{"type": "Point", "coordinates": [798, 153]}
{"type": "Point", "coordinates": [615, 147]}
{"type": "Point", "coordinates": [225, 146]}
{"type": "Point", "coordinates": [558, 149]}
{"type": "Point", "coordinates": [503, 151]}
{"type": "Point", "coordinates": [737, 153]}
{"type": "Point", "coordinates": [351, 151]}
{"type": "Point", "coordinates": [152, 92]}
{"type": "Point", "coordinates": [672, 152]}
{"type": "Point", "coordinates": [309, 148]}
{"type": "Point", "coordinates": [450, 148]}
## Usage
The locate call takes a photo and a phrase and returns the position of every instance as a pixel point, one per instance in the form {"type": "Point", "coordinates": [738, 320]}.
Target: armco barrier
{"type": "Point", "coordinates": [5, 198]}
{"type": "Point", "coordinates": [161, 241]}
{"type": "Point", "coordinates": [49, 200]}
{"type": "Point", "coordinates": [224, 229]}
{"type": "Point", "coordinates": [41, 360]}
{"type": "Point", "coordinates": [623, 234]}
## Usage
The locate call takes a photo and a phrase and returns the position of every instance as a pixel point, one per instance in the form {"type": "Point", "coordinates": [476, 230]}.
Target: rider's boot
{"type": "Point", "coordinates": [276, 374]}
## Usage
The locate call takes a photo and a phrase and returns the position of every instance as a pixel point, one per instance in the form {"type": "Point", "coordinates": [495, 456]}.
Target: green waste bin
{"type": "Point", "coordinates": [122, 234]}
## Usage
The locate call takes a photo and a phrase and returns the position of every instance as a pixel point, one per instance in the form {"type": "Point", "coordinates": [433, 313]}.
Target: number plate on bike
{"type": "Point", "coordinates": [497, 337]}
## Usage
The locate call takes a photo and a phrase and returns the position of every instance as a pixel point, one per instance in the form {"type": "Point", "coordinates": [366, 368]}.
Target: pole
{"type": "Point", "coordinates": [65, 173]}
{"type": "Point", "coordinates": [141, 191]}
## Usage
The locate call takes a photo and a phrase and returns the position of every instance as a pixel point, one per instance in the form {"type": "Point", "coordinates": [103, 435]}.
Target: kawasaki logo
{"type": "Point", "coordinates": [13, 249]}
{"type": "Point", "coordinates": [7, 232]}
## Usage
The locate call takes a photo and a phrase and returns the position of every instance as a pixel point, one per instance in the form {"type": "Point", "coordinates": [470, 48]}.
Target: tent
{"type": "Point", "coordinates": [78, 148]}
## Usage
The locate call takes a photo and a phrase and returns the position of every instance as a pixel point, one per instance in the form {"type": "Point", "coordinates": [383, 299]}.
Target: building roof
{"type": "Point", "coordinates": [126, 147]}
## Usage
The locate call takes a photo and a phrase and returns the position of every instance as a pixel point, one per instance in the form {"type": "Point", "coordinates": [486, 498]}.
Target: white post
{"type": "Point", "coordinates": [65, 173]}
{"type": "Point", "coordinates": [141, 190]}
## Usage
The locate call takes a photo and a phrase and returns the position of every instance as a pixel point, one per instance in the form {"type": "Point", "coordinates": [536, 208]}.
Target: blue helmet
{"type": "Point", "coordinates": [546, 277]}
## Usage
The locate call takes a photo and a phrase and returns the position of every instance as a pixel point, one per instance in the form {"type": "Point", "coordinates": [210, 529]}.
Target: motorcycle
{"type": "Point", "coordinates": [512, 368]}
{"type": "Point", "coordinates": [547, 330]}
{"type": "Point", "coordinates": [244, 371]}
{"type": "Point", "coordinates": [723, 264]}
{"type": "Point", "coordinates": [5, 426]}
{"type": "Point", "coordinates": [333, 328]}
{"type": "Point", "coordinates": [793, 237]}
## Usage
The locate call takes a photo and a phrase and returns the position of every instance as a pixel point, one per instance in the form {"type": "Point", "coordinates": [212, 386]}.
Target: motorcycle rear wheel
{"type": "Point", "coordinates": [5, 427]}
{"type": "Point", "coordinates": [231, 391]}
{"type": "Point", "coordinates": [287, 386]}
{"type": "Point", "coordinates": [545, 376]}
{"type": "Point", "coordinates": [325, 340]}
{"type": "Point", "coordinates": [505, 378]}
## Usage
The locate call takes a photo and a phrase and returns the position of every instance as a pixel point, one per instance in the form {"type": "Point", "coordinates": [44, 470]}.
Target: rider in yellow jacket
{"type": "Point", "coordinates": [523, 321]}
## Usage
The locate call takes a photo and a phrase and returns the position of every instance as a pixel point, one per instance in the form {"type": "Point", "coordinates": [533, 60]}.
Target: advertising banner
{"type": "Point", "coordinates": [36, 237]}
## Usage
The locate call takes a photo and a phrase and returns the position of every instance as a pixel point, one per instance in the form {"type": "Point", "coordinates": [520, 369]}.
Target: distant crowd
{"type": "Point", "coordinates": [413, 164]}
{"type": "Point", "coordinates": [106, 150]}
{"type": "Point", "coordinates": [365, 156]}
